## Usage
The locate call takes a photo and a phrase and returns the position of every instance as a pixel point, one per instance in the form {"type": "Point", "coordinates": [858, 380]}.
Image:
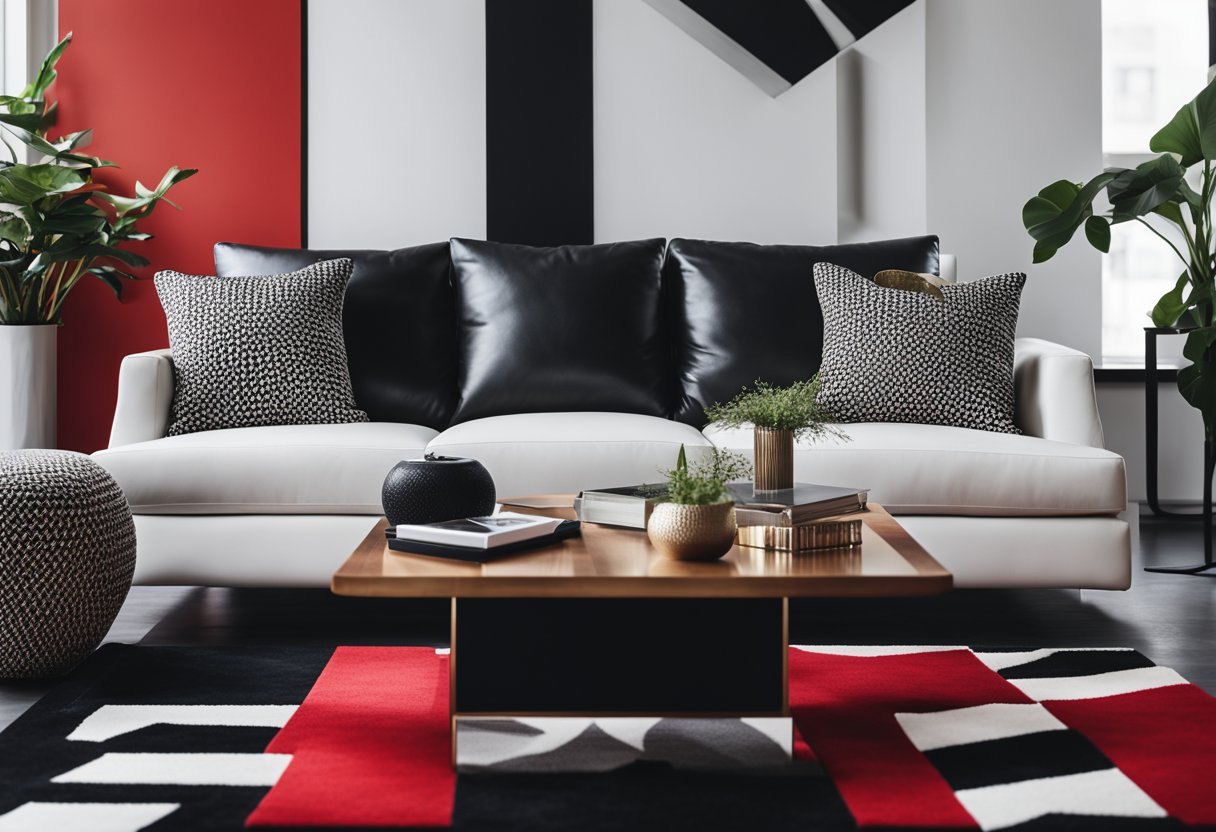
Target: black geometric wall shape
{"type": "Point", "coordinates": [864, 17]}
{"type": "Point", "coordinates": [777, 43]}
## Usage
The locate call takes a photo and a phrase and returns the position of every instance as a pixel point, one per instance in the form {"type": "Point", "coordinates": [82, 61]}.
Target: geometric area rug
{"type": "Point", "coordinates": [176, 738]}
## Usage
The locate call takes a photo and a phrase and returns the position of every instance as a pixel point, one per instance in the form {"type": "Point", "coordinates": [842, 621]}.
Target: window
{"type": "Point", "coordinates": [1154, 60]}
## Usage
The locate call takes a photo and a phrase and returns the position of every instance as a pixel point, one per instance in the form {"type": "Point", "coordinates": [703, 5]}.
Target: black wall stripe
{"type": "Point", "coordinates": [303, 123]}
{"type": "Point", "coordinates": [1211, 33]}
{"type": "Point", "coordinates": [539, 131]}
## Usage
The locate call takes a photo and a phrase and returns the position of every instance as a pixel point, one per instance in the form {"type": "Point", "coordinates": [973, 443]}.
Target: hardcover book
{"type": "Point", "coordinates": [793, 506]}
{"type": "Point", "coordinates": [627, 506]}
{"type": "Point", "coordinates": [829, 533]}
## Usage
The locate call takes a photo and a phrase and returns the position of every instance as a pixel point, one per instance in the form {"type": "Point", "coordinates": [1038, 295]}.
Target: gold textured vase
{"type": "Point", "coordinates": [774, 459]}
{"type": "Point", "coordinates": [683, 532]}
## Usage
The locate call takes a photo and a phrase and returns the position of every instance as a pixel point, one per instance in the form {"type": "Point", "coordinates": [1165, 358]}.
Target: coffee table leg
{"type": "Point", "coordinates": [671, 673]}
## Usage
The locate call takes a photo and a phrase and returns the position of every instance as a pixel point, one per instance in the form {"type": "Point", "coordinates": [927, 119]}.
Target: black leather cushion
{"type": "Point", "coordinates": [743, 312]}
{"type": "Point", "coordinates": [399, 322]}
{"type": "Point", "coordinates": [565, 328]}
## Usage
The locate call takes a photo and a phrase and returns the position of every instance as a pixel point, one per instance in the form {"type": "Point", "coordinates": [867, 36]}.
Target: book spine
{"type": "Point", "coordinates": [821, 535]}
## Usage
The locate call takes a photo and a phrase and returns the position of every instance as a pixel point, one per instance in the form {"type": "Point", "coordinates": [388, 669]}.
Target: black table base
{"type": "Point", "coordinates": [1150, 435]}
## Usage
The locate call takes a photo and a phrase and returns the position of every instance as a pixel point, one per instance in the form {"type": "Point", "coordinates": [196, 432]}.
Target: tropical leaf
{"type": "Point", "coordinates": [1171, 306]}
{"type": "Point", "coordinates": [1140, 191]}
{"type": "Point", "coordinates": [1191, 133]}
{"type": "Point", "coordinates": [1053, 216]}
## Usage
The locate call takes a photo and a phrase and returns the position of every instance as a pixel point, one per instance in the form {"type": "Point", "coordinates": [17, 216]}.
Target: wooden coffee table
{"type": "Point", "coordinates": [602, 625]}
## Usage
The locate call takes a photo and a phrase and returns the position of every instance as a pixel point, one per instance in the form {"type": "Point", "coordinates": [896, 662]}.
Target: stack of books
{"type": "Point", "coordinates": [800, 518]}
{"type": "Point", "coordinates": [793, 520]}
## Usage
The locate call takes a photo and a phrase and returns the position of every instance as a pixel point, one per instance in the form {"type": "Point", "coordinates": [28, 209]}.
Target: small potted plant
{"type": "Point", "coordinates": [696, 521]}
{"type": "Point", "coordinates": [778, 416]}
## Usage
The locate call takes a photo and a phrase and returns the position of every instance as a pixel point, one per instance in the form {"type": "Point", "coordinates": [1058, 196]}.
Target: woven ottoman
{"type": "Point", "coordinates": [67, 553]}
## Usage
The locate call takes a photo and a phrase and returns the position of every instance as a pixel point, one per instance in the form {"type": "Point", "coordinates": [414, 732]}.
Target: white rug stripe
{"type": "Point", "coordinates": [84, 817]}
{"type": "Point", "coordinates": [111, 721]}
{"type": "Point", "coordinates": [1000, 661]}
{"type": "Point", "coordinates": [960, 726]}
{"type": "Point", "coordinates": [180, 769]}
{"type": "Point", "coordinates": [1099, 684]}
{"type": "Point", "coordinates": [863, 651]}
{"type": "Point", "coordinates": [1106, 793]}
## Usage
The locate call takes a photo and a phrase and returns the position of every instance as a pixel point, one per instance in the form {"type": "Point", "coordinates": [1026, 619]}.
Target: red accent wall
{"type": "Point", "coordinates": [207, 84]}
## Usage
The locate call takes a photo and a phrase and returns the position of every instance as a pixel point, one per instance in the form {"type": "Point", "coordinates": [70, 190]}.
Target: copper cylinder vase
{"type": "Point", "coordinates": [774, 459]}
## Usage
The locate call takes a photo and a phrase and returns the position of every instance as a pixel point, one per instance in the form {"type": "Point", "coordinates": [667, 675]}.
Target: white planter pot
{"type": "Point", "coordinates": [27, 386]}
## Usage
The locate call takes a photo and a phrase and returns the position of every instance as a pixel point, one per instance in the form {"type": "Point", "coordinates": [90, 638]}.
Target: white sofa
{"type": "Point", "coordinates": [283, 506]}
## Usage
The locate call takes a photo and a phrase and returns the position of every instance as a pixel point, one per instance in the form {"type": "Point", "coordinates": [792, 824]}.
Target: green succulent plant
{"type": "Point", "coordinates": [794, 408]}
{"type": "Point", "coordinates": [704, 482]}
{"type": "Point", "coordinates": [57, 223]}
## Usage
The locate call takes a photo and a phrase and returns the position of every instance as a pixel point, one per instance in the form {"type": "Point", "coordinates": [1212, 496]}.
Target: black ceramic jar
{"type": "Point", "coordinates": [437, 488]}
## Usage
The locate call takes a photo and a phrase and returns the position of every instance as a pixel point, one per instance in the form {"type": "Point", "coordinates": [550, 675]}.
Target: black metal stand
{"type": "Point", "coordinates": [1150, 431]}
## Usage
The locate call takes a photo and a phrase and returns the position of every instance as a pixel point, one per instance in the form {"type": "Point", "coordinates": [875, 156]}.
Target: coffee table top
{"type": "Point", "coordinates": [610, 562]}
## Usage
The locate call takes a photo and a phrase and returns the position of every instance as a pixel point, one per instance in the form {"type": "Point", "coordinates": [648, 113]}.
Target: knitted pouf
{"type": "Point", "coordinates": [67, 553]}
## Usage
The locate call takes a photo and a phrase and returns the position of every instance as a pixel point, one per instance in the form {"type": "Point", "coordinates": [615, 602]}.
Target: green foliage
{"type": "Point", "coordinates": [704, 482]}
{"type": "Point", "coordinates": [1158, 189]}
{"type": "Point", "coordinates": [57, 224]}
{"type": "Point", "coordinates": [794, 408]}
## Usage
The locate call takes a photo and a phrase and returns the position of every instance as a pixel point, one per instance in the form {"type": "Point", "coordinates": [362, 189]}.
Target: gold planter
{"type": "Point", "coordinates": [774, 459]}
{"type": "Point", "coordinates": [684, 532]}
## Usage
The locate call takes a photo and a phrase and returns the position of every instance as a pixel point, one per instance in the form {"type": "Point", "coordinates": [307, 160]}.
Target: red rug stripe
{"type": "Point", "coordinates": [371, 745]}
{"type": "Point", "coordinates": [1163, 739]}
{"type": "Point", "coordinates": [844, 706]}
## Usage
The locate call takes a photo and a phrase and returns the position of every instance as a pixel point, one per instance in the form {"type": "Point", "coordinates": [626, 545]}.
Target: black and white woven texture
{"type": "Point", "coordinates": [891, 355]}
{"type": "Point", "coordinates": [250, 351]}
{"type": "Point", "coordinates": [67, 554]}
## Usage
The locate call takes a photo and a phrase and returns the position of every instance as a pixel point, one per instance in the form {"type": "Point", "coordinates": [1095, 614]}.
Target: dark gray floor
{"type": "Point", "coordinates": [1171, 619]}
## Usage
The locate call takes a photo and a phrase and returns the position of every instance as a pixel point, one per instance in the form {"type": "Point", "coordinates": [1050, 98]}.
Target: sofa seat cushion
{"type": "Point", "coordinates": [936, 469]}
{"type": "Point", "coordinates": [552, 453]}
{"type": "Point", "coordinates": [291, 469]}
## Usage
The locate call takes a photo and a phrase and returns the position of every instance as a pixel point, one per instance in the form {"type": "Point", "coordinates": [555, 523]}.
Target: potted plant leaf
{"type": "Point", "coordinates": [58, 225]}
{"type": "Point", "coordinates": [1158, 189]}
{"type": "Point", "coordinates": [696, 520]}
{"type": "Point", "coordinates": [778, 416]}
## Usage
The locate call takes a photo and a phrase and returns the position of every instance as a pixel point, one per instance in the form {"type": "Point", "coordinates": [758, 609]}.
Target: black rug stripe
{"type": "Point", "coordinates": [1077, 663]}
{"type": "Point", "coordinates": [35, 748]}
{"type": "Point", "coordinates": [646, 797]}
{"type": "Point", "coordinates": [1011, 760]}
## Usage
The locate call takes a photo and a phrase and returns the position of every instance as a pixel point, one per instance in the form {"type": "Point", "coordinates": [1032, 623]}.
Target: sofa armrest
{"type": "Point", "coordinates": [145, 396]}
{"type": "Point", "coordinates": [1054, 391]}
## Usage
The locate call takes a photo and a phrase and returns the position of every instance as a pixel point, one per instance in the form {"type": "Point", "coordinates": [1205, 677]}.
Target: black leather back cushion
{"type": "Point", "coordinates": [399, 320]}
{"type": "Point", "coordinates": [565, 328]}
{"type": "Point", "coordinates": [743, 312]}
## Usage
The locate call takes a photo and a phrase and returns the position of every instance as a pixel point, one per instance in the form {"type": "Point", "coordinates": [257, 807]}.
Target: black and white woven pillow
{"type": "Point", "coordinates": [891, 355]}
{"type": "Point", "coordinates": [250, 351]}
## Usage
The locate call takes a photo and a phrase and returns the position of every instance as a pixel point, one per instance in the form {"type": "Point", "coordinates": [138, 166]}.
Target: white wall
{"type": "Point", "coordinates": [881, 132]}
{"type": "Point", "coordinates": [686, 146]}
{"type": "Point", "coordinates": [1179, 440]}
{"type": "Point", "coordinates": [1014, 103]}
{"type": "Point", "coordinates": [396, 122]}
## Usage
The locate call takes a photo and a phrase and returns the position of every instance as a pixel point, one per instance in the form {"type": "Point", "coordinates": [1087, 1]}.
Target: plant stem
{"type": "Point", "coordinates": [62, 292]}
{"type": "Point", "coordinates": [1149, 226]}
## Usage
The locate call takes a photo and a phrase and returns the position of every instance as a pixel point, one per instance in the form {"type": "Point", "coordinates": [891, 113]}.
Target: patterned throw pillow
{"type": "Point", "coordinates": [891, 355]}
{"type": "Point", "coordinates": [251, 351]}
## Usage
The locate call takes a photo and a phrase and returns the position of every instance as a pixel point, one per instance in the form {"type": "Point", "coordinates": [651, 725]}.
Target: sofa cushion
{"type": "Point", "coordinates": [551, 453]}
{"type": "Point", "coordinates": [399, 322]}
{"type": "Point", "coordinates": [254, 351]}
{"type": "Point", "coordinates": [742, 312]}
{"type": "Point", "coordinates": [890, 355]}
{"type": "Point", "coordinates": [934, 469]}
{"type": "Point", "coordinates": [298, 469]}
{"type": "Point", "coordinates": [559, 329]}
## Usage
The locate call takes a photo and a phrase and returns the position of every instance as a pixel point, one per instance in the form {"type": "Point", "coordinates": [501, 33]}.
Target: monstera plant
{"type": "Point", "coordinates": [57, 224]}
{"type": "Point", "coordinates": [1175, 188]}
